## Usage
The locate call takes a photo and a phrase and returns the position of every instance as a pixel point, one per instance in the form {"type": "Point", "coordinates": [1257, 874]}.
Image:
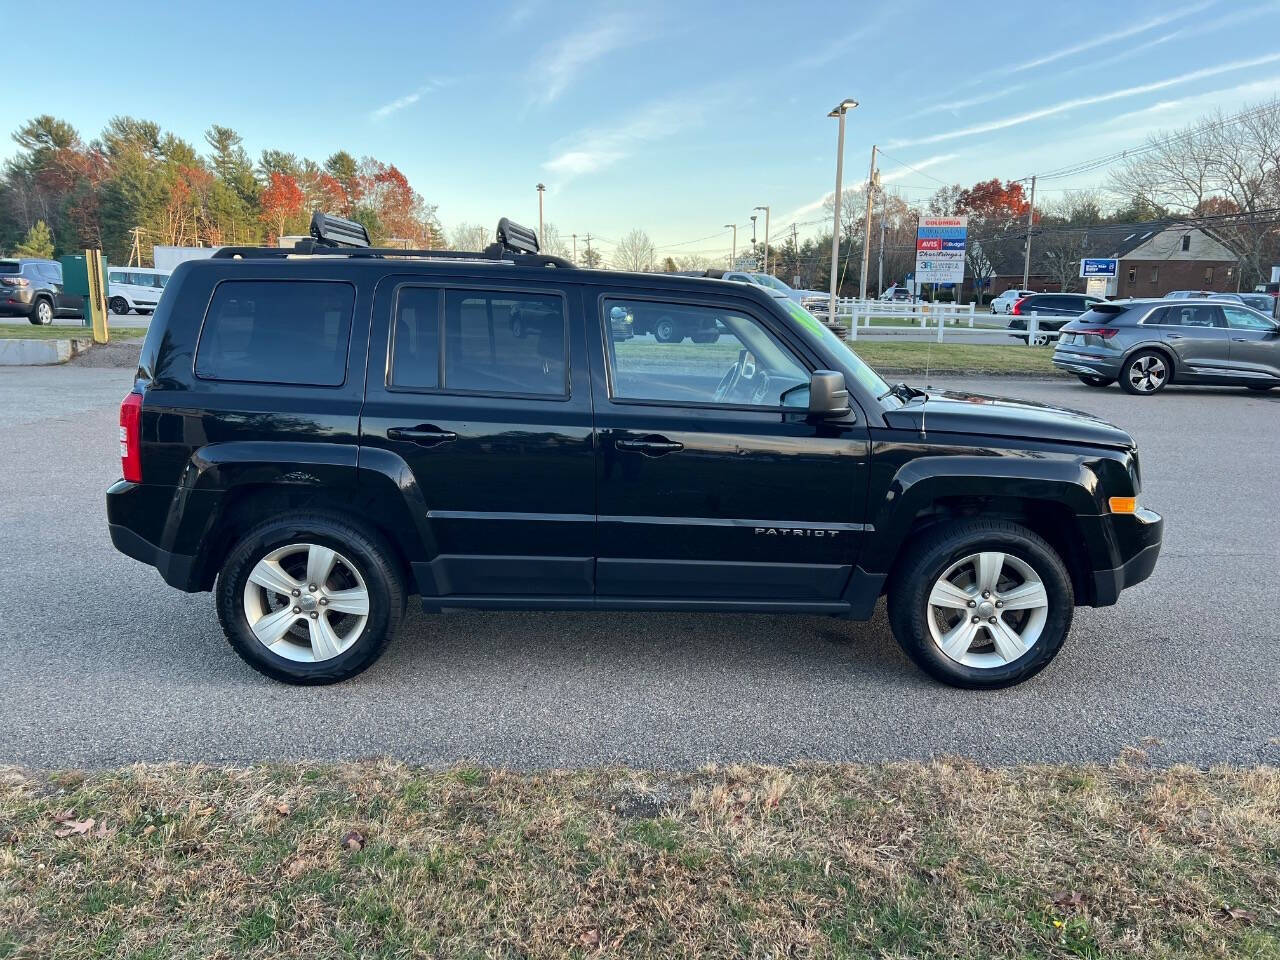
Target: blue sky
{"type": "Point", "coordinates": [673, 117]}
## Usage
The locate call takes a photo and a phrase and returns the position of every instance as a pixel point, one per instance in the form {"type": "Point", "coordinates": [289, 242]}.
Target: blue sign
{"type": "Point", "coordinates": [1098, 267]}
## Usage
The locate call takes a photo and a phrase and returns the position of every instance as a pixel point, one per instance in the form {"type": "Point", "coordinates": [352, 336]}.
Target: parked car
{"type": "Point", "coordinates": [1052, 310]}
{"type": "Point", "coordinates": [1005, 301]}
{"type": "Point", "coordinates": [771, 282]}
{"type": "Point", "coordinates": [1148, 344]}
{"type": "Point", "coordinates": [1257, 301]}
{"type": "Point", "coordinates": [33, 289]}
{"type": "Point", "coordinates": [897, 294]}
{"type": "Point", "coordinates": [134, 288]}
{"type": "Point", "coordinates": [315, 462]}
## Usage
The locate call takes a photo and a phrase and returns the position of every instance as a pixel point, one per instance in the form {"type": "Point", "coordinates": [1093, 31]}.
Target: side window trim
{"type": "Point", "coordinates": [489, 290]}
{"type": "Point", "coordinates": [609, 364]}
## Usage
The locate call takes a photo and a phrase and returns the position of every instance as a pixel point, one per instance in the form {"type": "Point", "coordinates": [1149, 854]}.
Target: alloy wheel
{"type": "Point", "coordinates": [306, 602]}
{"type": "Point", "coordinates": [44, 313]}
{"type": "Point", "coordinates": [1148, 373]}
{"type": "Point", "coordinates": [987, 610]}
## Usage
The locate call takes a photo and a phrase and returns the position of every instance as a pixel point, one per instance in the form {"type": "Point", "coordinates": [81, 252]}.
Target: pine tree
{"type": "Point", "coordinates": [38, 242]}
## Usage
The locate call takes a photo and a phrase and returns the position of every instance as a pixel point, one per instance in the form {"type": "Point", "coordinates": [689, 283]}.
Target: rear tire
{"type": "Point", "coordinates": [665, 330]}
{"type": "Point", "coordinates": [42, 313]}
{"type": "Point", "coordinates": [1092, 381]}
{"type": "Point", "coordinates": [119, 306]}
{"type": "Point", "coordinates": [1027, 563]}
{"type": "Point", "coordinates": [300, 654]}
{"type": "Point", "coordinates": [1145, 373]}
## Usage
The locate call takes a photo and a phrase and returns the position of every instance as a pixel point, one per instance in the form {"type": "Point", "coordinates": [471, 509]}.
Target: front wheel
{"type": "Point", "coordinates": [309, 598]}
{"type": "Point", "coordinates": [1146, 372]}
{"type": "Point", "coordinates": [981, 604]}
{"type": "Point", "coordinates": [666, 331]}
{"type": "Point", "coordinates": [1091, 381]}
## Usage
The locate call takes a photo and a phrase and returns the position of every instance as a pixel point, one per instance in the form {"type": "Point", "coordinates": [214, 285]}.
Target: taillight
{"type": "Point", "coordinates": [15, 281]}
{"type": "Point", "coordinates": [130, 432]}
{"type": "Point", "coordinates": [1106, 333]}
{"type": "Point", "coordinates": [1016, 310]}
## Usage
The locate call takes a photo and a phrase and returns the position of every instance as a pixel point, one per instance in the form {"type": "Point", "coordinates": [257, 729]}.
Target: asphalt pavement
{"type": "Point", "coordinates": [104, 664]}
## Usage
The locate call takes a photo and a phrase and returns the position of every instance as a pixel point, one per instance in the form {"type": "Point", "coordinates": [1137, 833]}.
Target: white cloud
{"type": "Point", "coordinates": [1075, 102]}
{"type": "Point", "coordinates": [594, 150]}
{"type": "Point", "coordinates": [408, 100]}
{"type": "Point", "coordinates": [893, 175]}
{"type": "Point", "coordinates": [967, 102]}
{"type": "Point", "coordinates": [559, 64]}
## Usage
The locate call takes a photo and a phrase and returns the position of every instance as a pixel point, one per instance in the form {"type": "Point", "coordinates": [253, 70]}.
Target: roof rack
{"type": "Point", "coordinates": [711, 273]}
{"type": "Point", "coordinates": [338, 237]}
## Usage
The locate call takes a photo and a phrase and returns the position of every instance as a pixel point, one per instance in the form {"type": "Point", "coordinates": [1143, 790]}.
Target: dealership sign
{"type": "Point", "coordinates": [1098, 267]}
{"type": "Point", "coordinates": [940, 243]}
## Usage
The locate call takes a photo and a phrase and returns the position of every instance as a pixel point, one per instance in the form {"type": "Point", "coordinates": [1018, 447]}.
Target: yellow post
{"type": "Point", "coordinates": [96, 302]}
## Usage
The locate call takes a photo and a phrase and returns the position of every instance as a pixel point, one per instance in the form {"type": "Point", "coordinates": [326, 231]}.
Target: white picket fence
{"type": "Point", "coordinates": [954, 320]}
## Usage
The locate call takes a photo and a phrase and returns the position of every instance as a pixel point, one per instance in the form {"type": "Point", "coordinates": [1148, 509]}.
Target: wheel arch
{"type": "Point", "coordinates": [1157, 347]}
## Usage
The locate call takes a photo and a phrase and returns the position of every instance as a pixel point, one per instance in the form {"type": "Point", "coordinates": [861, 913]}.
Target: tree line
{"type": "Point", "coordinates": [61, 194]}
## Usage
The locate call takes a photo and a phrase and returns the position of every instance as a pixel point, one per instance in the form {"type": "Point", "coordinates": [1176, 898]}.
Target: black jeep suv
{"type": "Point", "coordinates": [316, 434]}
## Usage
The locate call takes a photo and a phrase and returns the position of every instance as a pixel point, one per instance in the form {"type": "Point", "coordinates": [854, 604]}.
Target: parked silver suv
{"type": "Point", "coordinates": [1148, 344]}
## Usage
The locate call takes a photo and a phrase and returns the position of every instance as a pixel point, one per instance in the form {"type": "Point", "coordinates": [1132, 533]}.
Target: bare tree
{"type": "Point", "coordinates": [635, 251]}
{"type": "Point", "coordinates": [470, 236]}
{"type": "Point", "coordinates": [693, 261]}
{"type": "Point", "coordinates": [551, 243]}
{"type": "Point", "coordinates": [1217, 168]}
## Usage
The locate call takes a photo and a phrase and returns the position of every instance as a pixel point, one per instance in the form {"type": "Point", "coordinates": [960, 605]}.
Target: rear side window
{"type": "Point", "coordinates": [277, 331]}
{"type": "Point", "coordinates": [508, 343]}
{"type": "Point", "coordinates": [1189, 315]}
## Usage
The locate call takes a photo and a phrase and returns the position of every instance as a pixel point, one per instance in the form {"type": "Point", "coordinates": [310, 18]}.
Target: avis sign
{"type": "Point", "coordinates": [940, 243]}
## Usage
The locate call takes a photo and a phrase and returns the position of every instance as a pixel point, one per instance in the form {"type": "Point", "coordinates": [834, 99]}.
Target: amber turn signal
{"type": "Point", "coordinates": [1123, 504]}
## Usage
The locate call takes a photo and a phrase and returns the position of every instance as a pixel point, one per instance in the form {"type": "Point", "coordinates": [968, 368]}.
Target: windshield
{"type": "Point", "coordinates": [765, 280]}
{"type": "Point", "coordinates": [869, 379]}
{"type": "Point", "coordinates": [1259, 301]}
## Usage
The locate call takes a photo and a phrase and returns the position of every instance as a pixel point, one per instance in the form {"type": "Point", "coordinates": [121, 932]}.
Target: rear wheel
{"type": "Point", "coordinates": [1091, 381]}
{"type": "Point", "coordinates": [1146, 372]}
{"type": "Point", "coordinates": [119, 305]}
{"type": "Point", "coordinates": [310, 599]}
{"type": "Point", "coordinates": [666, 331]}
{"type": "Point", "coordinates": [42, 315]}
{"type": "Point", "coordinates": [981, 604]}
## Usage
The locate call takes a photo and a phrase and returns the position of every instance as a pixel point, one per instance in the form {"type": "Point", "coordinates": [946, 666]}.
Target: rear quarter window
{"type": "Point", "coordinates": [277, 331]}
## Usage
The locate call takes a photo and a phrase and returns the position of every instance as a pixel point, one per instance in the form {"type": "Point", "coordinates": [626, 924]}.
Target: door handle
{"type": "Point", "coordinates": [425, 435]}
{"type": "Point", "coordinates": [1239, 339]}
{"type": "Point", "coordinates": [1173, 336]}
{"type": "Point", "coordinates": [650, 446]}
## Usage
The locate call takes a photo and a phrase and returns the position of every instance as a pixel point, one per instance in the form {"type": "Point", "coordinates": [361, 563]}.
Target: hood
{"type": "Point", "coordinates": [979, 415]}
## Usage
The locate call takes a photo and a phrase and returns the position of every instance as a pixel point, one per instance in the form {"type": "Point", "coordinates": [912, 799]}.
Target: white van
{"type": "Point", "coordinates": [134, 288]}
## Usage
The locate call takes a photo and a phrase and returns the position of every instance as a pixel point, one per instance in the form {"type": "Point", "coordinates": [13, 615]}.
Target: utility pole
{"type": "Point", "coordinates": [840, 110]}
{"type": "Point", "coordinates": [866, 243]}
{"type": "Point", "coordinates": [795, 252]}
{"type": "Point", "coordinates": [575, 248]}
{"type": "Point", "coordinates": [1026, 258]}
{"type": "Point", "coordinates": [541, 190]}
{"type": "Point", "coordinates": [733, 251]}
{"type": "Point", "coordinates": [135, 251]}
{"type": "Point", "coordinates": [588, 248]}
{"type": "Point", "coordinates": [766, 237]}
{"type": "Point", "coordinates": [880, 281]}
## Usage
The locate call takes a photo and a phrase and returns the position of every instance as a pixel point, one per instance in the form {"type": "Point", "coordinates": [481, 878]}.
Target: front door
{"type": "Point", "coordinates": [1198, 337]}
{"type": "Point", "coordinates": [1255, 343]}
{"type": "Point", "coordinates": [711, 483]}
{"type": "Point", "coordinates": [481, 389]}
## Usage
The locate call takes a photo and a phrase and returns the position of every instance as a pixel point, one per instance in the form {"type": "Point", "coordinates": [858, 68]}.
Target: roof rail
{"type": "Point", "coordinates": [338, 237]}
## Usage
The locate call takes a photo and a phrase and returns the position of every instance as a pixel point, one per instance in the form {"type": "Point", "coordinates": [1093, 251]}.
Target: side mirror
{"type": "Point", "coordinates": [828, 395]}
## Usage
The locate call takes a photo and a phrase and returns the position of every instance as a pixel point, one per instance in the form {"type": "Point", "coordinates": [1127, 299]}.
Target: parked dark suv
{"type": "Point", "coordinates": [316, 434]}
{"type": "Point", "coordinates": [33, 289]}
{"type": "Point", "coordinates": [1051, 310]}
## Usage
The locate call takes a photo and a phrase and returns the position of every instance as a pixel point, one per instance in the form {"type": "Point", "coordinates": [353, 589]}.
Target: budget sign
{"type": "Point", "coordinates": [940, 244]}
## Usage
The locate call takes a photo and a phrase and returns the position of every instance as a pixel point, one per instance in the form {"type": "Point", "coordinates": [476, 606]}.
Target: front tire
{"type": "Point", "coordinates": [981, 604]}
{"type": "Point", "coordinates": [666, 331]}
{"type": "Point", "coordinates": [1145, 373]}
{"type": "Point", "coordinates": [1091, 381]}
{"type": "Point", "coordinates": [290, 632]}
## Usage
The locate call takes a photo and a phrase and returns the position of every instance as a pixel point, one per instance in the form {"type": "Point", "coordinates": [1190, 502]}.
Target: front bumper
{"type": "Point", "coordinates": [1136, 543]}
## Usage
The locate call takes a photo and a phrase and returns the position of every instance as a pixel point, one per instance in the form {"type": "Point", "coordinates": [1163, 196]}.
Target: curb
{"type": "Point", "coordinates": [40, 353]}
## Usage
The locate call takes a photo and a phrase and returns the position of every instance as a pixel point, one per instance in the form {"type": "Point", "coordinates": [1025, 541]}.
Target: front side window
{"type": "Point", "coordinates": [1238, 319]}
{"type": "Point", "coordinates": [712, 355]}
{"type": "Point", "coordinates": [509, 343]}
{"type": "Point", "coordinates": [277, 331]}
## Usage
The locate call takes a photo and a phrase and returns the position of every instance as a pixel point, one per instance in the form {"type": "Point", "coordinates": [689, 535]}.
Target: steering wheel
{"type": "Point", "coordinates": [730, 379]}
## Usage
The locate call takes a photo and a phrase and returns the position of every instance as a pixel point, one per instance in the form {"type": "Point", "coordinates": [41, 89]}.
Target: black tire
{"type": "Point", "coordinates": [666, 330]}
{"type": "Point", "coordinates": [364, 548]}
{"type": "Point", "coordinates": [932, 556]}
{"type": "Point", "coordinates": [1091, 381]}
{"type": "Point", "coordinates": [42, 312]}
{"type": "Point", "coordinates": [1158, 359]}
{"type": "Point", "coordinates": [119, 306]}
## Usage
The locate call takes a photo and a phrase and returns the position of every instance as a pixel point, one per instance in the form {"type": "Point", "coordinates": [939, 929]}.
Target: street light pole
{"type": "Point", "coordinates": [541, 190]}
{"type": "Point", "coordinates": [1026, 256]}
{"type": "Point", "coordinates": [866, 243]}
{"type": "Point", "coordinates": [766, 237]}
{"type": "Point", "coordinates": [733, 255]}
{"type": "Point", "coordinates": [839, 111]}
{"type": "Point", "coordinates": [575, 248]}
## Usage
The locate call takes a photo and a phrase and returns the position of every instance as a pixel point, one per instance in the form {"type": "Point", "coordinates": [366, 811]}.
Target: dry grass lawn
{"type": "Point", "coordinates": [384, 860]}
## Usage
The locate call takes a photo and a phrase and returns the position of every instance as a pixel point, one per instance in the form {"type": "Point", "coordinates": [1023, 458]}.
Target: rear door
{"type": "Point", "coordinates": [712, 486]}
{"type": "Point", "coordinates": [493, 420]}
{"type": "Point", "coordinates": [1196, 332]}
{"type": "Point", "coordinates": [1255, 343]}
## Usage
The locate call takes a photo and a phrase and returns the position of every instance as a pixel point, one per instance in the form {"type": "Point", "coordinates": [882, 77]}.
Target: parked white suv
{"type": "Point", "coordinates": [134, 288]}
{"type": "Point", "coordinates": [1004, 303]}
